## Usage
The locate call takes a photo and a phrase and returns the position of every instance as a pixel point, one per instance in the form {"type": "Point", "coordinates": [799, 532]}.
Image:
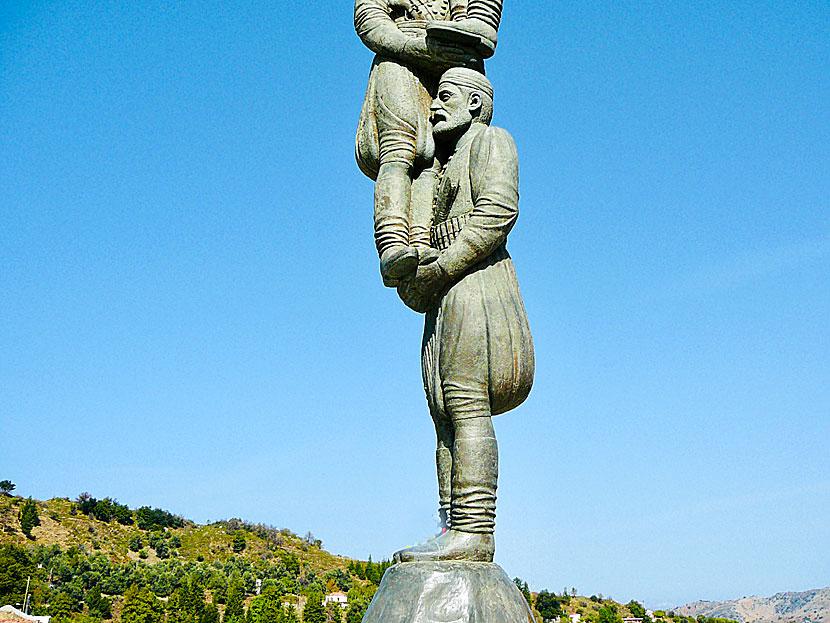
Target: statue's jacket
{"type": "Point", "coordinates": [477, 339]}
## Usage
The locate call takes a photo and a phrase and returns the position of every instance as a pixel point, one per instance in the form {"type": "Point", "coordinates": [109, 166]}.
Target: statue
{"type": "Point", "coordinates": [477, 352]}
{"type": "Point", "coordinates": [446, 197]}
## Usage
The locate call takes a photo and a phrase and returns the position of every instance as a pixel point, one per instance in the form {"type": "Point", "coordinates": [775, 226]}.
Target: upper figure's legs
{"type": "Point", "coordinates": [400, 106]}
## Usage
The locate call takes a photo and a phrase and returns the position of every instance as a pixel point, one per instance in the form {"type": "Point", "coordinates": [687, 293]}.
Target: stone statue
{"type": "Point", "coordinates": [446, 197]}
{"type": "Point", "coordinates": [477, 352]}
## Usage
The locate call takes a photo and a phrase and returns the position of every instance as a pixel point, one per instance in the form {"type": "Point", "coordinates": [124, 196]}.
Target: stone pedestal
{"type": "Point", "coordinates": [447, 592]}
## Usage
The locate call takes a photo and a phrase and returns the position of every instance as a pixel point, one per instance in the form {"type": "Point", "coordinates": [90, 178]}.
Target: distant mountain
{"type": "Point", "coordinates": [811, 606]}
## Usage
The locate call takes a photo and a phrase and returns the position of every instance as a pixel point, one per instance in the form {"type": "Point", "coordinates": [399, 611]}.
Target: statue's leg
{"type": "Point", "coordinates": [473, 482]}
{"type": "Point", "coordinates": [478, 29]}
{"type": "Point", "coordinates": [421, 212]}
{"type": "Point", "coordinates": [475, 477]}
{"type": "Point", "coordinates": [393, 189]}
{"type": "Point", "coordinates": [443, 462]}
{"type": "Point", "coordinates": [401, 115]}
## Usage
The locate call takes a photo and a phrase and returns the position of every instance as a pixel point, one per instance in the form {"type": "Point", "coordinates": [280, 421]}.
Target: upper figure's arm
{"type": "Point", "coordinates": [376, 29]}
{"type": "Point", "coordinates": [494, 180]}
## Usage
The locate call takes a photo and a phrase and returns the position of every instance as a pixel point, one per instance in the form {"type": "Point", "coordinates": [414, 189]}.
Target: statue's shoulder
{"type": "Point", "coordinates": [493, 141]}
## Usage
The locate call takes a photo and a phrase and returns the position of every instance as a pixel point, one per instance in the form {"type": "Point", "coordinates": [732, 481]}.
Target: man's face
{"type": "Point", "coordinates": [451, 111]}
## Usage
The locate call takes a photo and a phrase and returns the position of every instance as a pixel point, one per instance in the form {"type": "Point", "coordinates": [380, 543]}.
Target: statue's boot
{"type": "Point", "coordinates": [473, 511]}
{"type": "Point", "coordinates": [478, 30]}
{"type": "Point", "coordinates": [396, 263]}
{"type": "Point", "coordinates": [452, 545]}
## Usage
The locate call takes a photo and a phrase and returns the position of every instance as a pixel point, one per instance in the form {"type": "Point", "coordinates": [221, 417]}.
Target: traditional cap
{"type": "Point", "coordinates": [468, 78]}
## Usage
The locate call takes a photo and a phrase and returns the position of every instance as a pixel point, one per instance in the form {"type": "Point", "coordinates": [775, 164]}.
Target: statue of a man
{"type": "Point", "coordinates": [394, 144]}
{"type": "Point", "coordinates": [477, 352]}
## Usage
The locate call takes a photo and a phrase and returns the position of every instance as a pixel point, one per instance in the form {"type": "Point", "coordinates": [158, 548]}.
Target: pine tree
{"type": "Point", "coordinates": [234, 610]}
{"type": "Point", "coordinates": [60, 608]}
{"type": "Point", "coordinates": [28, 517]}
{"type": "Point", "coordinates": [211, 614]}
{"type": "Point", "coordinates": [141, 606]}
{"type": "Point", "coordinates": [313, 611]}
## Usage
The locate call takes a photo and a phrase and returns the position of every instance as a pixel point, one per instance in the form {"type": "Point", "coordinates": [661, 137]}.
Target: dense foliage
{"type": "Point", "coordinates": [73, 584]}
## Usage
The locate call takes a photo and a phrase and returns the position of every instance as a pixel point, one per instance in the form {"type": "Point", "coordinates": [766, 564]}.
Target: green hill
{"type": "Point", "coordinates": [96, 560]}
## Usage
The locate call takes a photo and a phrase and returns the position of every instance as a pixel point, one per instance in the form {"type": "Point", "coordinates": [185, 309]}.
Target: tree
{"type": "Point", "coordinates": [136, 543]}
{"type": "Point", "coordinates": [122, 514]}
{"type": "Point", "coordinates": [608, 614]}
{"type": "Point", "coordinates": [141, 606]}
{"type": "Point", "coordinates": [333, 614]}
{"type": "Point", "coordinates": [99, 606]}
{"type": "Point", "coordinates": [354, 613]}
{"type": "Point", "coordinates": [313, 611]}
{"type": "Point", "coordinates": [239, 543]}
{"type": "Point", "coordinates": [548, 605]}
{"type": "Point", "coordinates": [15, 567]}
{"type": "Point", "coordinates": [341, 580]}
{"type": "Point", "coordinates": [312, 540]}
{"type": "Point", "coordinates": [6, 487]}
{"type": "Point", "coordinates": [234, 610]}
{"type": "Point", "coordinates": [102, 510]}
{"type": "Point", "coordinates": [86, 503]}
{"type": "Point", "coordinates": [161, 549]}
{"type": "Point", "coordinates": [28, 517]}
{"type": "Point", "coordinates": [524, 589]}
{"type": "Point", "coordinates": [60, 609]}
{"type": "Point", "coordinates": [637, 610]}
{"type": "Point", "coordinates": [267, 608]}
{"type": "Point", "coordinates": [291, 562]}
{"type": "Point", "coordinates": [211, 614]}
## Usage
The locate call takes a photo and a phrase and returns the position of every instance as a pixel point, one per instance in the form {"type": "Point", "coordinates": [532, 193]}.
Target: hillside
{"type": "Point", "coordinates": [96, 560]}
{"type": "Point", "coordinates": [811, 606]}
{"type": "Point", "coordinates": [62, 524]}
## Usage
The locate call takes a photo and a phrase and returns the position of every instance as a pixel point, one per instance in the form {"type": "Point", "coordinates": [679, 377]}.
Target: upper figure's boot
{"type": "Point", "coordinates": [478, 30]}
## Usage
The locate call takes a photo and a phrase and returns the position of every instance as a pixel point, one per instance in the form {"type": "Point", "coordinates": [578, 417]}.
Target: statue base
{"type": "Point", "coordinates": [447, 592]}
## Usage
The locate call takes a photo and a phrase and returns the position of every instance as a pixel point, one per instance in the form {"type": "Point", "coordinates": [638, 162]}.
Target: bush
{"type": "Point", "coordinates": [239, 543]}
{"type": "Point", "coordinates": [136, 544]}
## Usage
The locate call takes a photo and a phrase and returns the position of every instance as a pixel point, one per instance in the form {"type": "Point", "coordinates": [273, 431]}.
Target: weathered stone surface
{"type": "Point", "coordinates": [447, 592]}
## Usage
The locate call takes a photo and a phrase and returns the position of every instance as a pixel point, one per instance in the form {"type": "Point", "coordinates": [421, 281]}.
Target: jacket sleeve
{"type": "Point", "coordinates": [376, 28]}
{"type": "Point", "coordinates": [494, 180]}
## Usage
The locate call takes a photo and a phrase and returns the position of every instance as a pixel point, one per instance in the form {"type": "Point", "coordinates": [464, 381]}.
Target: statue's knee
{"type": "Point", "coordinates": [474, 427]}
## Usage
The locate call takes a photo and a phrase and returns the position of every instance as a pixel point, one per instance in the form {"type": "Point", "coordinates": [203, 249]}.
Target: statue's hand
{"type": "Point", "coordinates": [421, 291]}
{"type": "Point", "coordinates": [429, 54]}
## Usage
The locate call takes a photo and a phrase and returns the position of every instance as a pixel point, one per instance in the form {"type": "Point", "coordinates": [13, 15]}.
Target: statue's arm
{"type": "Point", "coordinates": [494, 179]}
{"type": "Point", "coordinates": [376, 29]}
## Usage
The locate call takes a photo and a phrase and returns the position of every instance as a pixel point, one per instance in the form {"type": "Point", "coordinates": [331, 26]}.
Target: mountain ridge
{"type": "Point", "coordinates": [810, 606]}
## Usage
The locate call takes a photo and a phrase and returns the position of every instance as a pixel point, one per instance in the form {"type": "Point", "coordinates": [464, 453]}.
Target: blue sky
{"type": "Point", "coordinates": [191, 314]}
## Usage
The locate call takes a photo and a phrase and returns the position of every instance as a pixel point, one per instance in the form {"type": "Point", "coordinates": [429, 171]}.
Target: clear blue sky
{"type": "Point", "coordinates": [191, 314]}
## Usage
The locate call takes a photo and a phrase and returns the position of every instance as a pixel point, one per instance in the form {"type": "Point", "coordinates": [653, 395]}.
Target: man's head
{"type": "Point", "coordinates": [464, 96]}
